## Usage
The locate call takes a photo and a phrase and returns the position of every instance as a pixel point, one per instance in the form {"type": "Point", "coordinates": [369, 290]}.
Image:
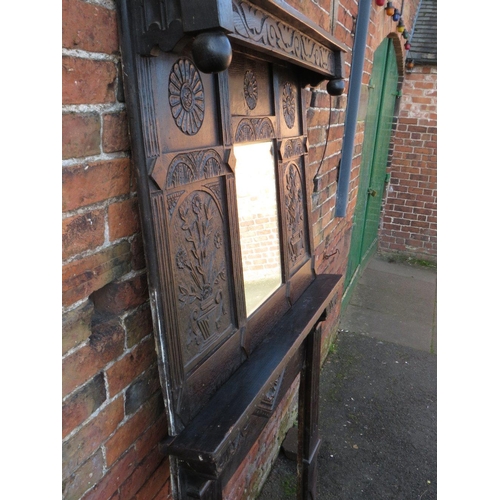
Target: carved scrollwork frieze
{"type": "Point", "coordinates": [190, 167]}
{"type": "Point", "coordinates": [260, 28]}
{"type": "Point", "coordinates": [233, 446]}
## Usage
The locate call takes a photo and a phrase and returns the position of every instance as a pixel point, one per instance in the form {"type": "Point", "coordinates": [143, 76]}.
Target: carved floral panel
{"type": "Point", "coordinates": [294, 214]}
{"type": "Point", "coordinates": [201, 273]}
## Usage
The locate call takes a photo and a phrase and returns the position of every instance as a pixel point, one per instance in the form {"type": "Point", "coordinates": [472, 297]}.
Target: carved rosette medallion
{"type": "Point", "coordinates": [250, 89]}
{"type": "Point", "coordinates": [186, 96]}
{"type": "Point", "coordinates": [294, 213]}
{"type": "Point", "coordinates": [201, 271]}
{"type": "Point", "coordinates": [288, 100]}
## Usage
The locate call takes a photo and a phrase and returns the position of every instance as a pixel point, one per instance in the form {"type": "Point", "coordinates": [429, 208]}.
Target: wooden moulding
{"type": "Point", "coordinates": [287, 13]}
{"type": "Point", "coordinates": [297, 41]}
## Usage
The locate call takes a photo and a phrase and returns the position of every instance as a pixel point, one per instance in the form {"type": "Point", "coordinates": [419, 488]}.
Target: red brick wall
{"type": "Point", "coordinates": [113, 415]}
{"type": "Point", "coordinates": [112, 410]}
{"type": "Point", "coordinates": [409, 223]}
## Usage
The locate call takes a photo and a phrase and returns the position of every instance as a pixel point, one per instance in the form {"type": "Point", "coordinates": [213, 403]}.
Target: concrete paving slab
{"type": "Point", "coordinates": [394, 302]}
{"type": "Point", "coordinates": [378, 424]}
{"type": "Point", "coordinates": [415, 271]}
{"type": "Point", "coordinates": [408, 332]}
{"type": "Point", "coordinates": [378, 394]}
{"type": "Point", "coordinates": [394, 295]}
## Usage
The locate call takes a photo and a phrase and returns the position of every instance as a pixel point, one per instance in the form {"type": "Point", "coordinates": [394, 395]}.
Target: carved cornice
{"type": "Point", "coordinates": [262, 30]}
{"type": "Point", "coordinates": [270, 26]}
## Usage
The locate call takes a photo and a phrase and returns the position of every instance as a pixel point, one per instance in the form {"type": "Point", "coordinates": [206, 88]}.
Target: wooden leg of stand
{"type": "Point", "coordinates": [309, 417]}
{"type": "Point", "coordinates": [199, 488]}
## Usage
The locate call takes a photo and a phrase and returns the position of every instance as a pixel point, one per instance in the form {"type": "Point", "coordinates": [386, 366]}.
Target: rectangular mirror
{"type": "Point", "coordinates": [258, 222]}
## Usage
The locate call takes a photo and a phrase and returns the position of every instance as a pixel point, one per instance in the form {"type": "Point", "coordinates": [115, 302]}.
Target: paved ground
{"type": "Point", "coordinates": [378, 408]}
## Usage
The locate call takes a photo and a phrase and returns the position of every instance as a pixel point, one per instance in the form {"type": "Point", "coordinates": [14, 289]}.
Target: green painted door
{"type": "Point", "coordinates": [378, 127]}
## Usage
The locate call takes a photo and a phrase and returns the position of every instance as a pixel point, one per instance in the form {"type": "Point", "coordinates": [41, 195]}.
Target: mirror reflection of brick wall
{"type": "Point", "coordinates": [260, 243]}
{"type": "Point", "coordinates": [258, 221]}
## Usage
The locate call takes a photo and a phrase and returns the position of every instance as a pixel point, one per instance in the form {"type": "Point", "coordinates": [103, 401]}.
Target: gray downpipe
{"type": "Point", "coordinates": [355, 80]}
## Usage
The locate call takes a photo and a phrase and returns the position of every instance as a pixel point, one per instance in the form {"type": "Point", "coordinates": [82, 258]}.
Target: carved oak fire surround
{"type": "Point", "coordinates": [202, 76]}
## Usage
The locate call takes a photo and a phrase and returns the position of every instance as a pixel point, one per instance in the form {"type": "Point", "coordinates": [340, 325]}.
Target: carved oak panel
{"type": "Point", "coordinates": [185, 101]}
{"type": "Point", "coordinates": [289, 102]}
{"type": "Point", "coordinates": [201, 273]}
{"type": "Point", "coordinates": [251, 91]}
{"type": "Point", "coordinates": [294, 214]}
{"type": "Point", "coordinates": [185, 128]}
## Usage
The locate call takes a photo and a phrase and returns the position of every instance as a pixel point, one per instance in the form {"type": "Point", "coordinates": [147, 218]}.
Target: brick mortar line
{"type": "Point", "coordinates": [320, 8]}
{"type": "Point", "coordinates": [106, 225]}
{"type": "Point", "coordinates": [126, 352]}
{"type": "Point", "coordinates": [343, 26]}
{"type": "Point", "coordinates": [88, 419]}
{"type": "Point", "coordinates": [332, 221]}
{"type": "Point", "coordinates": [108, 4]}
{"type": "Point", "coordinates": [68, 353]}
{"type": "Point", "coordinates": [106, 467]}
{"type": "Point", "coordinates": [94, 108]}
{"type": "Point", "coordinates": [72, 307]}
{"type": "Point", "coordinates": [98, 206]}
{"type": "Point", "coordinates": [94, 251]}
{"type": "Point", "coordinates": [326, 127]}
{"type": "Point", "coordinates": [71, 162]}
{"type": "Point", "coordinates": [91, 56]}
{"type": "Point", "coordinates": [101, 134]}
{"type": "Point", "coordinates": [313, 163]}
{"type": "Point", "coordinates": [131, 274]}
{"type": "Point", "coordinates": [317, 108]}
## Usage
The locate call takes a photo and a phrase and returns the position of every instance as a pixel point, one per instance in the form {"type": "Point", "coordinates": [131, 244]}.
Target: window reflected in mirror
{"type": "Point", "coordinates": [258, 222]}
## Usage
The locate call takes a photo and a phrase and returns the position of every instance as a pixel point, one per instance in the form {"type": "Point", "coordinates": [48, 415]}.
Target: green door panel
{"type": "Point", "coordinates": [377, 135]}
{"type": "Point", "coordinates": [380, 151]}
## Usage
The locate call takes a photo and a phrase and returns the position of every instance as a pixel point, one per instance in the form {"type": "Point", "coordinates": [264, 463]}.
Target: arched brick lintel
{"type": "Point", "coordinates": [398, 42]}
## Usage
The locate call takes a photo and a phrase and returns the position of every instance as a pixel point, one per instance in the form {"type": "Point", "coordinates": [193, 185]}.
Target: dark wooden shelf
{"type": "Point", "coordinates": [207, 438]}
